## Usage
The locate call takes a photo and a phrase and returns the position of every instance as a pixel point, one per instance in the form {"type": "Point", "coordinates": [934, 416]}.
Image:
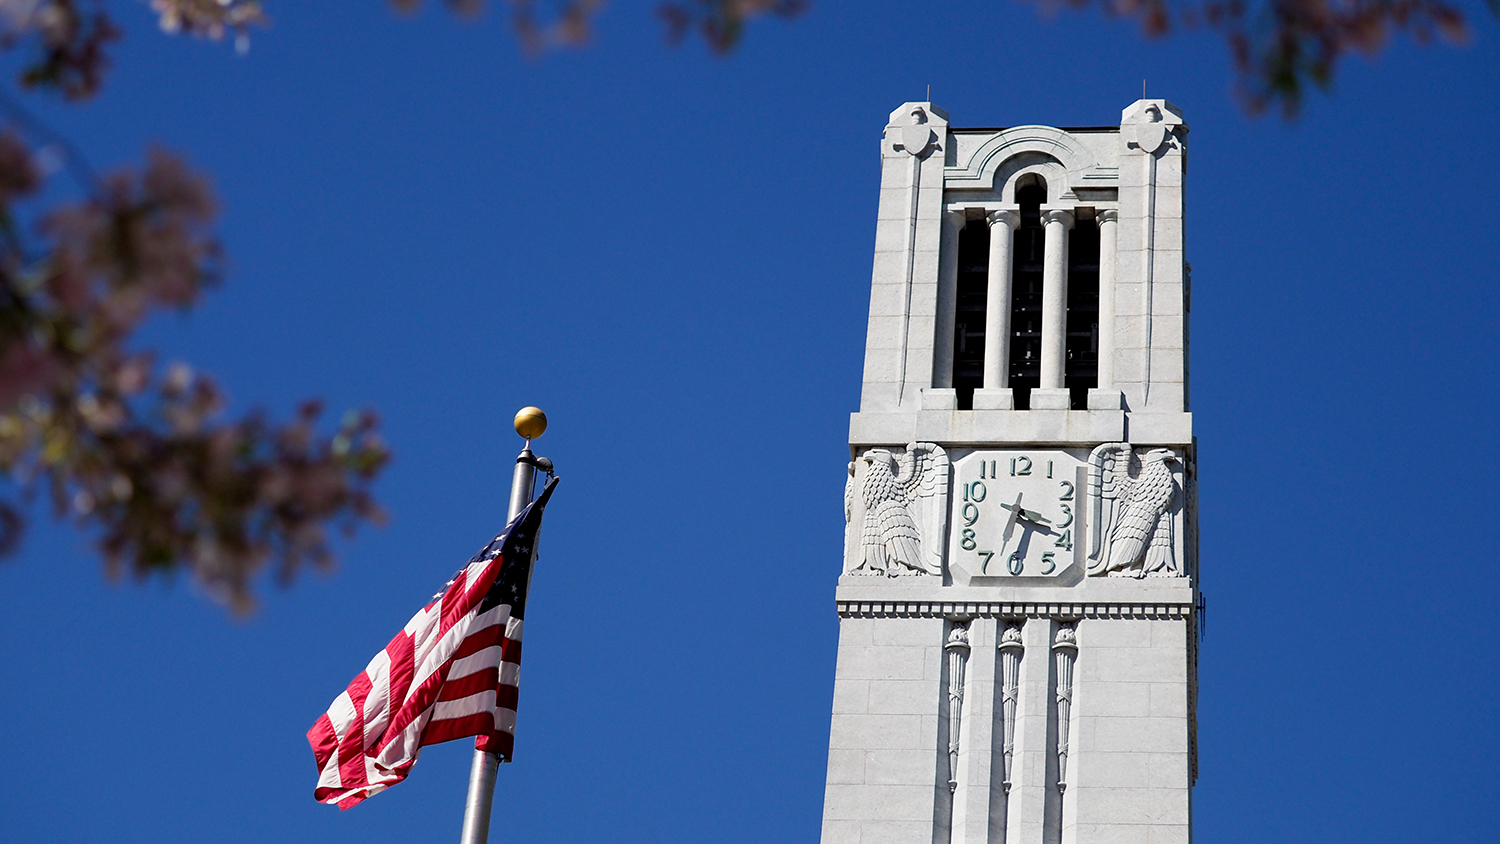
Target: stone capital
{"type": "Point", "coordinates": [1107, 215]}
{"type": "Point", "coordinates": [1010, 218]}
{"type": "Point", "coordinates": [1058, 215]}
{"type": "Point", "coordinates": [955, 217]}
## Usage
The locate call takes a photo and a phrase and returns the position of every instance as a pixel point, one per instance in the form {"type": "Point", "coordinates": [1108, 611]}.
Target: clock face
{"type": "Point", "coordinates": [1015, 512]}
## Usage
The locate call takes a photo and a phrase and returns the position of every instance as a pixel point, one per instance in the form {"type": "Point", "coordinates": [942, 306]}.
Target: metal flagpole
{"type": "Point", "coordinates": [530, 423]}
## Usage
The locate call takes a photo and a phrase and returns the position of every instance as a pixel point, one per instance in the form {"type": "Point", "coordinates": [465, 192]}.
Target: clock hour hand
{"type": "Point", "coordinates": [1034, 516]}
{"type": "Point", "coordinates": [1017, 511]}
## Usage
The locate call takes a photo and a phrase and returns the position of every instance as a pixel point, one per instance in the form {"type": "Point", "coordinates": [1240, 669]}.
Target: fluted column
{"type": "Point", "coordinates": [997, 300]}
{"type": "Point", "coordinates": [1065, 650]}
{"type": "Point", "coordinates": [1011, 651]}
{"type": "Point", "coordinates": [958, 655]}
{"type": "Point", "coordinates": [1055, 298]}
{"type": "Point", "coordinates": [1108, 239]}
{"type": "Point", "coordinates": [947, 300]}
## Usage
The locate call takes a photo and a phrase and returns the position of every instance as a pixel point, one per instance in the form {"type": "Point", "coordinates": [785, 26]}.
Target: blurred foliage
{"type": "Point", "coordinates": [1280, 47]}
{"type": "Point", "coordinates": [141, 455]}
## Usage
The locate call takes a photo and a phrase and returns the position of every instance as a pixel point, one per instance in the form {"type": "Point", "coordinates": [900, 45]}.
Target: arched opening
{"type": "Point", "coordinates": [1026, 291]}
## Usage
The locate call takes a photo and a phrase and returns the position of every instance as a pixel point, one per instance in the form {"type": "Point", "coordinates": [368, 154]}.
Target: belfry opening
{"type": "Point", "coordinates": [974, 291]}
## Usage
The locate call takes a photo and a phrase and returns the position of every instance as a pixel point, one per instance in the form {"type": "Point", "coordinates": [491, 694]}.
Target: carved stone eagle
{"type": "Point", "coordinates": [906, 510]}
{"type": "Point", "coordinates": [1132, 498]}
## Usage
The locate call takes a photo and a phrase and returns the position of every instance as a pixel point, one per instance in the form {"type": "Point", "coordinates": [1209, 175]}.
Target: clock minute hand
{"type": "Point", "coordinates": [1010, 525]}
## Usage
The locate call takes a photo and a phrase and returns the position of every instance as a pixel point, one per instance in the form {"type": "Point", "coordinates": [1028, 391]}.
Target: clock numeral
{"type": "Point", "coordinates": [1048, 557]}
{"type": "Point", "coordinates": [1049, 468]}
{"type": "Point", "coordinates": [1068, 512]}
{"type": "Point", "coordinates": [1020, 466]}
{"type": "Point", "coordinates": [985, 564]}
{"type": "Point", "coordinates": [1064, 541]}
{"type": "Point", "coordinates": [967, 542]}
{"type": "Point", "coordinates": [971, 513]}
{"type": "Point", "coordinates": [1014, 564]}
{"type": "Point", "coordinates": [975, 491]}
{"type": "Point", "coordinates": [1067, 494]}
{"type": "Point", "coordinates": [981, 469]}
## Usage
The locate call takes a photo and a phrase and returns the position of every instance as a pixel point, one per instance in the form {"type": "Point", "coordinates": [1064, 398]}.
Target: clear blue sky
{"type": "Point", "coordinates": [670, 252]}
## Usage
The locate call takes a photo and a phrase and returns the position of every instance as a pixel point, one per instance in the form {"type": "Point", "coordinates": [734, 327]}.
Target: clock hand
{"type": "Point", "coordinates": [1017, 511]}
{"type": "Point", "coordinates": [1034, 516]}
{"type": "Point", "coordinates": [1010, 525]}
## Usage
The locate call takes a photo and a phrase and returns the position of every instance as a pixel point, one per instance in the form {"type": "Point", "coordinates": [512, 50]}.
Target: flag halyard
{"type": "Point", "coordinates": [452, 672]}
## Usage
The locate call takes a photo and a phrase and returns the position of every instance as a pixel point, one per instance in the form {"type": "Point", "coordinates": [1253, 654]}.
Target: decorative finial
{"type": "Point", "coordinates": [958, 637]}
{"type": "Point", "coordinates": [531, 422]}
{"type": "Point", "coordinates": [1066, 637]}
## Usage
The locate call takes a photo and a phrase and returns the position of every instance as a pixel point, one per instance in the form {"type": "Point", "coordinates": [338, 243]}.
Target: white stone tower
{"type": "Point", "coordinates": [1019, 600]}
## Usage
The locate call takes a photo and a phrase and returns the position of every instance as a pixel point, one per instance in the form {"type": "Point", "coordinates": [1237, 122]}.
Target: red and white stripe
{"type": "Point", "coordinates": [451, 673]}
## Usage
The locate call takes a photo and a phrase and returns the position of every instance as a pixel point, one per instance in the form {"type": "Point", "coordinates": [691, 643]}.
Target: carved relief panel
{"type": "Point", "coordinates": [896, 509]}
{"type": "Point", "coordinates": [1033, 515]}
{"type": "Point", "coordinates": [1135, 511]}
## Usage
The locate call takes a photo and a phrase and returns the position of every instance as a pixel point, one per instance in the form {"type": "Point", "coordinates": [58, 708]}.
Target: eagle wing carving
{"type": "Point", "coordinates": [899, 537]}
{"type": "Point", "coordinates": [1160, 559]}
{"type": "Point", "coordinates": [1133, 500]}
{"type": "Point", "coordinates": [927, 498]}
{"type": "Point", "coordinates": [849, 499]}
{"type": "Point", "coordinates": [1109, 481]}
{"type": "Point", "coordinates": [906, 502]}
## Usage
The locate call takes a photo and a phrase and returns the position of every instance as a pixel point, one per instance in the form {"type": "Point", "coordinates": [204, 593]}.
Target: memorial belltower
{"type": "Point", "coordinates": [1018, 608]}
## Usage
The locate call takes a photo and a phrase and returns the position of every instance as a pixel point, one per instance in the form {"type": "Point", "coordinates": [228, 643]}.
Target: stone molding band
{"type": "Point", "coordinates": [986, 609]}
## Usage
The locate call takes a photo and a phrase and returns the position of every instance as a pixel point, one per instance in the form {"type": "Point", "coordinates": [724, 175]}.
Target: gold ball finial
{"type": "Point", "coordinates": [531, 422]}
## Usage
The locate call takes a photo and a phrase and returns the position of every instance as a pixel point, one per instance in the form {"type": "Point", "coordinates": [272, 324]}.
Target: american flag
{"type": "Point", "coordinates": [450, 673]}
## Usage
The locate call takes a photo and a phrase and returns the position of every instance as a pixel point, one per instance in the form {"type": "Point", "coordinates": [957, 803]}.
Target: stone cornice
{"type": "Point", "coordinates": [1003, 609]}
{"type": "Point", "coordinates": [1019, 428]}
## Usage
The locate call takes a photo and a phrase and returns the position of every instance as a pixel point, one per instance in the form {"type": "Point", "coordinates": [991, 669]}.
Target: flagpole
{"type": "Point", "coordinates": [530, 423]}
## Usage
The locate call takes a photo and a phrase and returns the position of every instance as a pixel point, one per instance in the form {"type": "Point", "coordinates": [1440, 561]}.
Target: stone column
{"type": "Point", "coordinates": [1011, 650]}
{"type": "Point", "coordinates": [1054, 311]}
{"type": "Point", "coordinates": [975, 803]}
{"type": "Point", "coordinates": [1108, 230]}
{"type": "Point", "coordinates": [947, 300]}
{"type": "Point", "coordinates": [995, 394]}
{"type": "Point", "coordinates": [958, 657]}
{"type": "Point", "coordinates": [1031, 796]}
{"type": "Point", "coordinates": [1107, 396]}
{"type": "Point", "coordinates": [1065, 650]}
